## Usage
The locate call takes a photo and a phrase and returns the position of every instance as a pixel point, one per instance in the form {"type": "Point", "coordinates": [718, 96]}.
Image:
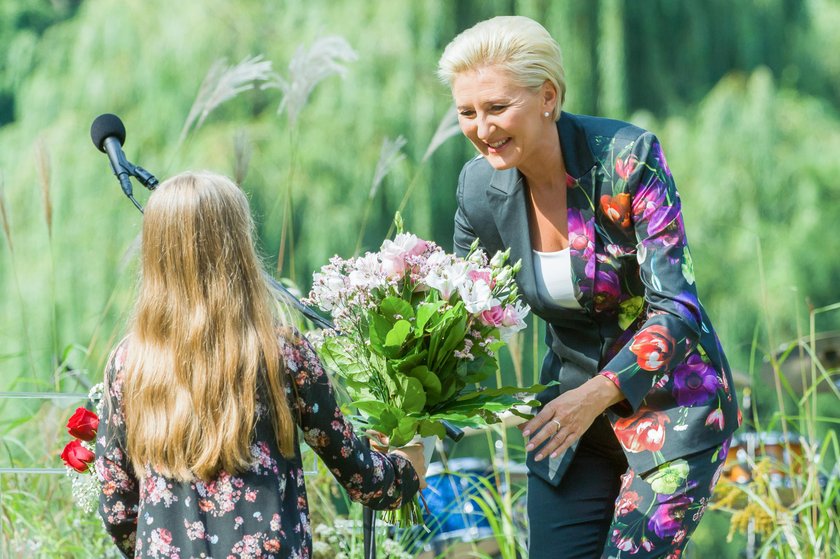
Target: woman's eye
{"type": "Point", "coordinates": [466, 113]}
{"type": "Point", "coordinates": [498, 108]}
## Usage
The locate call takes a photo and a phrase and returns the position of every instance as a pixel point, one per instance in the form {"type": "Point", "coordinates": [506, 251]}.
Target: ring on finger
{"type": "Point", "coordinates": [559, 425]}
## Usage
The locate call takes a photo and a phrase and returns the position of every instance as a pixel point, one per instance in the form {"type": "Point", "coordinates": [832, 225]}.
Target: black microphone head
{"type": "Point", "coordinates": [105, 126]}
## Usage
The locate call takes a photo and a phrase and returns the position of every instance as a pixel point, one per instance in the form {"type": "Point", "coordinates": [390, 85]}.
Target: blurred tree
{"type": "Point", "coordinates": [21, 24]}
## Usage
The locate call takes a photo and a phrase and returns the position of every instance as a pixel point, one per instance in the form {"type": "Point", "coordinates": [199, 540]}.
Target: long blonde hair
{"type": "Point", "coordinates": [204, 335]}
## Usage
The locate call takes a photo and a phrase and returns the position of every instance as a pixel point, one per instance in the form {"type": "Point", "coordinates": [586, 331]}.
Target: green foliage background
{"type": "Point", "coordinates": [744, 96]}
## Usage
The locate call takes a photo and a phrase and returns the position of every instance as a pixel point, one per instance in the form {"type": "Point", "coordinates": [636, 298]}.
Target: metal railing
{"type": "Point", "coordinates": [313, 469]}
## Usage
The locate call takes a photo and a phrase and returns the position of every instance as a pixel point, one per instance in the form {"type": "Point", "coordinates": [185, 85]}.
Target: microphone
{"type": "Point", "coordinates": [108, 135]}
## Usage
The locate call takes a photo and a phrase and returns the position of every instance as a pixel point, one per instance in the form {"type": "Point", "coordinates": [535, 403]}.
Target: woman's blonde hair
{"type": "Point", "coordinates": [204, 336]}
{"type": "Point", "coordinates": [517, 44]}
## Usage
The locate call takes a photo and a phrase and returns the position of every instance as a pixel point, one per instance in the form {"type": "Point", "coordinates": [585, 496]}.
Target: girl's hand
{"type": "Point", "coordinates": [413, 452]}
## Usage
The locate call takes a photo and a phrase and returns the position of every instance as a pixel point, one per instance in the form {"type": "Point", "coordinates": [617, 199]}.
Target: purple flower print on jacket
{"type": "Point", "coordinates": [660, 157]}
{"type": "Point", "coordinates": [669, 516]}
{"type": "Point", "coordinates": [581, 235]}
{"type": "Point", "coordinates": [663, 216]}
{"type": "Point", "coordinates": [607, 291]}
{"type": "Point", "coordinates": [695, 382]}
{"type": "Point", "coordinates": [648, 198]}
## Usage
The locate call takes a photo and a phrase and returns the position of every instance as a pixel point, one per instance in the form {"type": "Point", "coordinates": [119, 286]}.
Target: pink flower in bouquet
{"type": "Point", "coordinates": [482, 275]}
{"type": "Point", "coordinates": [494, 316]}
{"type": "Point", "coordinates": [513, 320]}
{"type": "Point", "coordinates": [83, 424]}
{"type": "Point", "coordinates": [394, 254]}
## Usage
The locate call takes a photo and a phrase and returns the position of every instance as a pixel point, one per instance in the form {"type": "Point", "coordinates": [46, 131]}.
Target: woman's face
{"type": "Point", "coordinates": [503, 120]}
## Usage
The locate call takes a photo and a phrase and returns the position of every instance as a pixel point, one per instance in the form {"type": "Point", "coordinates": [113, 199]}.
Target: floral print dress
{"type": "Point", "coordinates": [258, 513]}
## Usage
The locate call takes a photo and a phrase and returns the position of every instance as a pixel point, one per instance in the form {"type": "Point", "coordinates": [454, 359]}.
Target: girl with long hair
{"type": "Point", "coordinates": [197, 449]}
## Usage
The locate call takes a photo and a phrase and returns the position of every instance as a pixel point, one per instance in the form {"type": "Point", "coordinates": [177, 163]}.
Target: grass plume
{"type": "Point", "coordinates": [223, 83]}
{"type": "Point", "coordinates": [42, 160]}
{"type": "Point", "coordinates": [42, 166]}
{"type": "Point", "coordinates": [308, 67]}
{"type": "Point", "coordinates": [242, 152]}
{"type": "Point", "coordinates": [446, 128]}
{"type": "Point", "coordinates": [389, 156]}
{"type": "Point", "coordinates": [7, 230]}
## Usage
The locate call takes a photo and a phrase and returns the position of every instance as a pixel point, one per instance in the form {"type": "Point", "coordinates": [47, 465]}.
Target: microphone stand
{"type": "Point", "coordinates": [368, 522]}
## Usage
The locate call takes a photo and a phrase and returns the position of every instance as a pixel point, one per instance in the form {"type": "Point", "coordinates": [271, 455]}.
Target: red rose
{"type": "Point", "coordinates": [653, 347]}
{"type": "Point", "coordinates": [77, 457]}
{"type": "Point", "coordinates": [83, 424]}
{"type": "Point", "coordinates": [643, 431]}
{"type": "Point", "coordinates": [617, 208]}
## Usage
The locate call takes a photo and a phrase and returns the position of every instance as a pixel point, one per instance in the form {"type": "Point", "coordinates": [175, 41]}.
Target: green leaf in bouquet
{"type": "Point", "coordinates": [425, 311]}
{"type": "Point", "coordinates": [397, 335]}
{"type": "Point", "coordinates": [373, 408]}
{"type": "Point", "coordinates": [405, 431]}
{"type": "Point", "coordinates": [459, 419]}
{"type": "Point", "coordinates": [338, 355]}
{"type": "Point", "coordinates": [503, 391]}
{"type": "Point", "coordinates": [519, 413]}
{"type": "Point", "coordinates": [378, 328]}
{"type": "Point", "coordinates": [414, 359]}
{"type": "Point", "coordinates": [429, 380]}
{"type": "Point", "coordinates": [389, 419]}
{"type": "Point", "coordinates": [479, 369]}
{"type": "Point", "coordinates": [412, 396]}
{"type": "Point", "coordinates": [446, 339]}
{"type": "Point", "coordinates": [395, 308]}
{"type": "Point", "coordinates": [450, 386]}
{"type": "Point", "coordinates": [496, 346]}
{"type": "Point", "coordinates": [428, 428]}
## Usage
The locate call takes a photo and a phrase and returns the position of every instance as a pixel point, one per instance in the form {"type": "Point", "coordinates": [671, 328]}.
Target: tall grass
{"type": "Point", "coordinates": [326, 57]}
{"type": "Point", "coordinates": [790, 506]}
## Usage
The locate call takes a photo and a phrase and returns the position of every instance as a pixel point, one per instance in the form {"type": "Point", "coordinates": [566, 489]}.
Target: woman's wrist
{"type": "Point", "coordinates": [603, 392]}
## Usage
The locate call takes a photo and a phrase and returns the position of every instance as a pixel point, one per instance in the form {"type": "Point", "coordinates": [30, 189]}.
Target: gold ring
{"type": "Point", "coordinates": [559, 426]}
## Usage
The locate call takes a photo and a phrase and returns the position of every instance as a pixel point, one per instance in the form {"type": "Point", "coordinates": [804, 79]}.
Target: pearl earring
{"type": "Point", "coordinates": [545, 114]}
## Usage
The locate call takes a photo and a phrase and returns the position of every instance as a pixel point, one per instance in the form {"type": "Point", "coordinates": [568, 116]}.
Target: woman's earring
{"type": "Point", "coordinates": [546, 114]}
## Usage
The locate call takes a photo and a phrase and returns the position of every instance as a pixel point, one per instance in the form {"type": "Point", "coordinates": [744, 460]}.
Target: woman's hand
{"type": "Point", "coordinates": [566, 418]}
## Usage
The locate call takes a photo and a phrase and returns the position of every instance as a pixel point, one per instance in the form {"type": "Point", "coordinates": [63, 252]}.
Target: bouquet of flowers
{"type": "Point", "coordinates": [78, 454]}
{"type": "Point", "coordinates": [417, 330]}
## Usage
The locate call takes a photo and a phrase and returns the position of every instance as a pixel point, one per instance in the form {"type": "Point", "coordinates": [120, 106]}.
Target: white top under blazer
{"type": "Point", "coordinates": [553, 271]}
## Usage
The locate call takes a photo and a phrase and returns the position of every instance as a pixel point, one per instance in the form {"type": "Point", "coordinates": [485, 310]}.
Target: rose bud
{"type": "Point", "coordinates": [76, 456]}
{"type": "Point", "coordinates": [83, 424]}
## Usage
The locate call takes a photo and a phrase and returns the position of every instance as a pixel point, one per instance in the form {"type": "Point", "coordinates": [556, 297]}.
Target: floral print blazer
{"type": "Point", "coordinates": [641, 324]}
{"type": "Point", "coordinates": [261, 512]}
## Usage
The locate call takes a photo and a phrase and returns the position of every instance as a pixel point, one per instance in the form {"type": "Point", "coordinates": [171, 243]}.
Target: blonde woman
{"type": "Point", "coordinates": [625, 450]}
{"type": "Point", "coordinates": [197, 451]}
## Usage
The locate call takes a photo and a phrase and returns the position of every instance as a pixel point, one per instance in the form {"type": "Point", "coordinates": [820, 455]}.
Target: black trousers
{"type": "Point", "coordinates": [572, 520]}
